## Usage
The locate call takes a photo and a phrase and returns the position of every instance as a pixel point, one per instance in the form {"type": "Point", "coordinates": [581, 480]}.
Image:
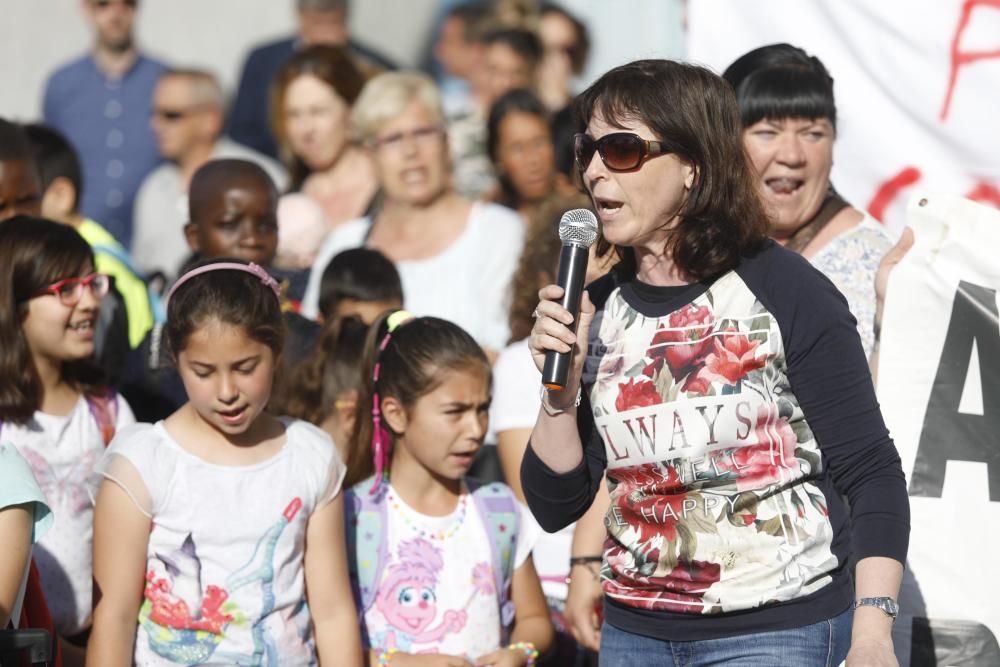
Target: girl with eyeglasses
{"type": "Point", "coordinates": [719, 382]}
{"type": "Point", "coordinates": [53, 406]}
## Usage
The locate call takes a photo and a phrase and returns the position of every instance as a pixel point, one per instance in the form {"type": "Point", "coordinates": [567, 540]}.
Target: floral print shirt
{"type": "Point", "coordinates": [730, 417]}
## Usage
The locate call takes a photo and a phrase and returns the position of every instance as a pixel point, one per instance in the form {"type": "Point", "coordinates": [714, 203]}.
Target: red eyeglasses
{"type": "Point", "coordinates": [620, 151]}
{"type": "Point", "coordinates": [70, 290]}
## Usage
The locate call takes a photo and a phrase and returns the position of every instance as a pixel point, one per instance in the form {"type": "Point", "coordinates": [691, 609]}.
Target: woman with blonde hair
{"type": "Point", "coordinates": [455, 256]}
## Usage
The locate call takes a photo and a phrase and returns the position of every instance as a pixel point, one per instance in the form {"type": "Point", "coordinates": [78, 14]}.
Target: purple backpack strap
{"type": "Point", "coordinates": [365, 521]}
{"type": "Point", "coordinates": [104, 409]}
{"type": "Point", "coordinates": [497, 507]}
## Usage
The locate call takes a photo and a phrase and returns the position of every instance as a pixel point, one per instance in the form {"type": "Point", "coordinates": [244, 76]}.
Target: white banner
{"type": "Point", "coordinates": [939, 386]}
{"type": "Point", "coordinates": [917, 84]}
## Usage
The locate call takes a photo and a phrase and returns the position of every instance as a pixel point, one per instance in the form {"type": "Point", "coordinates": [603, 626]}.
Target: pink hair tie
{"type": "Point", "coordinates": [381, 439]}
{"type": "Point", "coordinates": [251, 268]}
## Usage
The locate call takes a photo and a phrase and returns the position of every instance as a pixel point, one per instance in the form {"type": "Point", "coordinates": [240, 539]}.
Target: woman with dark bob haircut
{"type": "Point", "coordinates": [719, 382]}
{"type": "Point", "coordinates": [789, 121]}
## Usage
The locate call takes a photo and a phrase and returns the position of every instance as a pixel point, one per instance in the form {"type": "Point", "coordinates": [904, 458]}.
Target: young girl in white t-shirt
{"type": "Point", "coordinates": [53, 407]}
{"type": "Point", "coordinates": [216, 526]}
{"type": "Point", "coordinates": [441, 565]}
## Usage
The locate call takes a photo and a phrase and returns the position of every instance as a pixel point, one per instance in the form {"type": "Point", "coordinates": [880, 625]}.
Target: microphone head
{"type": "Point", "coordinates": [578, 227]}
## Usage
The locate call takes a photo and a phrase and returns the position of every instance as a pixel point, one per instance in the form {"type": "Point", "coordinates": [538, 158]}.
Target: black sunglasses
{"type": "Point", "coordinates": [104, 4]}
{"type": "Point", "coordinates": [620, 151]}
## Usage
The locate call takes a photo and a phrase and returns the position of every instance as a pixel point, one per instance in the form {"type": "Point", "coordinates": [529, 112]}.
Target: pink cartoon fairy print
{"type": "Point", "coordinates": [408, 601]}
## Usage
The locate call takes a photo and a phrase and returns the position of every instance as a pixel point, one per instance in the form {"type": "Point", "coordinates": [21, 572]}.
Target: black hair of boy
{"type": "Point", "coordinates": [213, 177]}
{"type": "Point", "coordinates": [55, 158]}
{"type": "Point", "coordinates": [361, 274]}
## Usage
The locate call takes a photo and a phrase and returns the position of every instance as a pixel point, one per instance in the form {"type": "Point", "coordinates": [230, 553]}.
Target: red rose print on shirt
{"type": "Point", "coordinates": [683, 343]}
{"type": "Point", "coordinates": [732, 357]}
{"type": "Point", "coordinates": [772, 459]}
{"type": "Point", "coordinates": [634, 394]}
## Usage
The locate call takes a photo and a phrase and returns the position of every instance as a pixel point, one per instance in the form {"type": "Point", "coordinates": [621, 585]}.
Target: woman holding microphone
{"type": "Point", "coordinates": [719, 382]}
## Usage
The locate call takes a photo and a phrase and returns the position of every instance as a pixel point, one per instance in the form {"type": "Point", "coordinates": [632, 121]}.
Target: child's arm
{"type": "Point", "coordinates": [532, 623]}
{"type": "Point", "coordinates": [15, 533]}
{"type": "Point", "coordinates": [328, 588]}
{"type": "Point", "coordinates": [121, 537]}
{"type": "Point", "coordinates": [585, 595]}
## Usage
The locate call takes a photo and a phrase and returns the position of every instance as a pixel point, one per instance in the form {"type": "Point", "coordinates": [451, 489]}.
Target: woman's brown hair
{"type": "Point", "coordinates": [693, 112]}
{"type": "Point", "coordinates": [410, 366]}
{"type": "Point", "coordinates": [35, 253]}
{"type": "Point", "coordinates": [330, 64]}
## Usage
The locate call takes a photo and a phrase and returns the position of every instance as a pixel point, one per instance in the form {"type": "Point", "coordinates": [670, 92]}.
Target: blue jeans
{"type": "Point", "coordinates": [822, 644]}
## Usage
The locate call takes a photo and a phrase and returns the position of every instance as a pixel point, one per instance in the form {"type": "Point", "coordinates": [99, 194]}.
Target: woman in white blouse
{"type": "Point", "coordinates": [455, 257]}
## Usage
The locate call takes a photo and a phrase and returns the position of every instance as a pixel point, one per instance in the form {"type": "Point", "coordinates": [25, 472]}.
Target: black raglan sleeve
{"type": "Point", "coordinates": [559, 499]}
{"type": "Point", "coordinates": [829, 375]}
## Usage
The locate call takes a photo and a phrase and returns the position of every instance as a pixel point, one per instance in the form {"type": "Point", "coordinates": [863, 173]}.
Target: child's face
{"type": "Point", "coordinates": [19, 189]}
{"type": "Point", "coordinates": [58, 332]}
{"type": "Point", "coordinates": [241, 222]}
{"type": "Point", "coordinates": [443, 429]}
{"type": "Point", "coordinates": [227, 376]}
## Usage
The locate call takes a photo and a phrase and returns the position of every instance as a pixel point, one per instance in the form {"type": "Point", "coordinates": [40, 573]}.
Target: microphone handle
{"type": "Point", "coordinates": [572, 272]}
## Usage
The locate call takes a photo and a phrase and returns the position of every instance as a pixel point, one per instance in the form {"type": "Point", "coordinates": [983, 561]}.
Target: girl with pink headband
{"type": "Point", "coordinates": [212, 525]}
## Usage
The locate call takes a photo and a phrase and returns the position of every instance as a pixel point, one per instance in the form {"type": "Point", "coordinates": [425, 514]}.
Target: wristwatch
{"type": "Point", "coordinates": [887, 605]}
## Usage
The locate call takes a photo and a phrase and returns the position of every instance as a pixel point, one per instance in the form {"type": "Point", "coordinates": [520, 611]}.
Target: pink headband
{"type": "Point", "coordinates": [251, 268]}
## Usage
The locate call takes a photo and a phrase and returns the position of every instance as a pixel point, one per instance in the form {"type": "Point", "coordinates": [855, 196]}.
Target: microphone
{"type": "Point", "coordinates": [578, 231]}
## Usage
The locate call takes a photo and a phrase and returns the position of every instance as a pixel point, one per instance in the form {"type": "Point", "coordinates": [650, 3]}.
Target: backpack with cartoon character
{"type": "Point", "coordinates": [365, 521]}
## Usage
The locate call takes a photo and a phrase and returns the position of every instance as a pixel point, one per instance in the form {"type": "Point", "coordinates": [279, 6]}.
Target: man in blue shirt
{"type": "Point", "coordinates": [319, 22]}
{"type": "Point", "coordinates": [101, 103]}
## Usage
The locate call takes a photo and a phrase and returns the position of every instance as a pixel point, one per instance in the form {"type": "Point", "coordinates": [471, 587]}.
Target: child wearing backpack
{"type": "Point", "coordinates": [53, 406]}
{"type": "Point", "coordinates": [214, 526]}
{"type": "Point", "coordinates": [441, 565]}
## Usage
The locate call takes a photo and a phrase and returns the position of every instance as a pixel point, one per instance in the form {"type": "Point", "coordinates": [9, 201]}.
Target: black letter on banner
{"type": "Point", "coordinates": [949, 435]}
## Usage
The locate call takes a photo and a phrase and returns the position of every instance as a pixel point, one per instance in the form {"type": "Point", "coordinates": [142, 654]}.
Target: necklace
{"type": "Point", "coordinates": [409, 517]}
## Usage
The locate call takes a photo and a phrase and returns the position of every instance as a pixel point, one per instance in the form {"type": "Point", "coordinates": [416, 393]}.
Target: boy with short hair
{"type": "Point", "coordinates": [361, 282]}
{"type": "Point", "coordinates": [233, 207]}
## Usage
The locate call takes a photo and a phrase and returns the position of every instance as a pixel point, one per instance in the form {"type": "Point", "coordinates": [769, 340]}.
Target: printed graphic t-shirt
{"type": "Point", "coordinates": [62, 452]}
{"type": "Point", "coordinates": [731, 415]}
{"type": "Point", "coordinates": [224, 576]}
{"type": "Point", "coordinates": [437, 593]}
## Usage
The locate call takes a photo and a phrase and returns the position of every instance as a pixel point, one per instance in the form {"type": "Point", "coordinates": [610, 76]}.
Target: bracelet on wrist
{"type": "Point", "coordinates": [552, 411]}
{"type": "Point", "coordinates": [385, 656]}
{"type": "Point", "coordinates": [529, 650]}
{"type": "Point", "coordinates": [586, 560]}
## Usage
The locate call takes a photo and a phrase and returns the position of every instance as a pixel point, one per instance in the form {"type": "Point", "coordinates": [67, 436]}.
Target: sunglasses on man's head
{"type": "Point", "coordinates": [174, 115]}
{"type": "Point", "coordinates": [620, 151]}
